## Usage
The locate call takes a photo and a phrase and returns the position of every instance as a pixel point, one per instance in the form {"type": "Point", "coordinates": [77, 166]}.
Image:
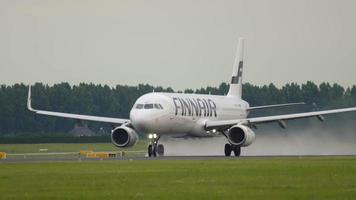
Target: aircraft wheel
{"type": "Point", "coordinates": [237, 151]}
{"type": "Point", "coordinates": [150, 150]}
{"type": "Point", "coordinates": [160, 150]}
{"type": "Point", "coordinates": [228, 149]}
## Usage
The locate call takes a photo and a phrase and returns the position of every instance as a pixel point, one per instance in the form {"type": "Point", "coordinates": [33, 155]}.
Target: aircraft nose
{"type": "Point", "coordinates": [140, 122]}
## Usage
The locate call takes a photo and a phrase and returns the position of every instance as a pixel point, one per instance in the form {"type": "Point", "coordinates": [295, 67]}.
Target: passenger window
{"type": "Point", "coordinates": [148, 106]}
{"type": "Point", "coordinates": [139, 106]}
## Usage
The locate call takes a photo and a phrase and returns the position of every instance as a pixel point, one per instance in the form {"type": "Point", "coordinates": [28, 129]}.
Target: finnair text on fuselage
{"type": "Point", "coordinates": [194, 107]}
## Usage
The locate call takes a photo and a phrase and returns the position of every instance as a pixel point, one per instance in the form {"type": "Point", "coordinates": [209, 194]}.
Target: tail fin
{"type": "Point", "coordinates": [236, 80]}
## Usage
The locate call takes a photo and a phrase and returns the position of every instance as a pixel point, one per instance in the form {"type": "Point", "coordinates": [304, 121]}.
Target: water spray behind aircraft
{"type": "Point", "coordinates": [312, 141]}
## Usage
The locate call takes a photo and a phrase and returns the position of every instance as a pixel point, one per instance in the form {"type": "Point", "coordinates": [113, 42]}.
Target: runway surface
{"type": "Point", "coordinates": [83, 159]}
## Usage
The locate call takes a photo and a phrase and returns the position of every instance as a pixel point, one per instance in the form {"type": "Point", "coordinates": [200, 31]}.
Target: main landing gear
{"type": "Point", "coordinates": [154, 148]}
{"type": "Point", "coordinates": [232, 148]}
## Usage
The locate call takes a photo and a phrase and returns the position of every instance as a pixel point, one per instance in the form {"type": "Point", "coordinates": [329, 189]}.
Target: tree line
{"type": "Point", "coordinates": [102, 100]}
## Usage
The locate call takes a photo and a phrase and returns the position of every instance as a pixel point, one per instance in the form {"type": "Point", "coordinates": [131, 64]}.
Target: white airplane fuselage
{"type": "Point", "coordinates": [184, 114]}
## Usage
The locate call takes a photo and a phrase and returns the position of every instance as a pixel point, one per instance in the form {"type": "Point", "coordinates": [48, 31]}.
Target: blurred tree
{"type": "Point", "coordinates": [103, 100]}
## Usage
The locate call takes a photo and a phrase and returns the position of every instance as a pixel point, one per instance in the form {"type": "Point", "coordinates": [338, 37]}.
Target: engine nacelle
{"type": "Point", "coordinates": [241, 135]}
{"type": "Point", "coordinates": [124, 137]}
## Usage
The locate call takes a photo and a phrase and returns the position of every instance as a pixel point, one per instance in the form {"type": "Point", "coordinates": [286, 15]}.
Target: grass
{"type": "Point", "coordinates": [65, 147]}
{"type": "Point", "coordinates": [273, 178]}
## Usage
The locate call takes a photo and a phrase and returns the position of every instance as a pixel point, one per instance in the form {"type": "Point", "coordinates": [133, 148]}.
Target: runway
{"type": "Point", "coordinates": [39, 159]}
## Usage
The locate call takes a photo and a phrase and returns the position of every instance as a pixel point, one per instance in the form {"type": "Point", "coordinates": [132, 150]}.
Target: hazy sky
{"type": "Point", "coordinates": [183, 44]}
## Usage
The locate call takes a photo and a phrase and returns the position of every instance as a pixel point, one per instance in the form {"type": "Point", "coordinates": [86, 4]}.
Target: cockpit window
{"type": "Point", "coordinates": [148, 106]}
{"type": "Point", "coordinates": [139, 106]}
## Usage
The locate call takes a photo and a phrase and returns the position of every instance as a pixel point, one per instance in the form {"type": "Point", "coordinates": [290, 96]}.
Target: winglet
{"type": "Point", "coordinates": [29, 107]}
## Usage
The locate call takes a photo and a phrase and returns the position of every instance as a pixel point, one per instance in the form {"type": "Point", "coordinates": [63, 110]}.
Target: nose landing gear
{"type": "Point", "coordinates": [154, 148]}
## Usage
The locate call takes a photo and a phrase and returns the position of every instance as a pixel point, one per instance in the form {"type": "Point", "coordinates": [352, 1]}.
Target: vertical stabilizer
{"type": "Point", "coordinates": [236, 80]}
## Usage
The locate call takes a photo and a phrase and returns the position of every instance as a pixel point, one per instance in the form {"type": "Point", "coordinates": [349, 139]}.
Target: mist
{"type": "Point", "coordinates": [311, 141]}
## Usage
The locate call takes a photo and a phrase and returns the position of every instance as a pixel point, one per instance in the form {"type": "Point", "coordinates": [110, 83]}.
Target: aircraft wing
{"type": "Point", "coordinates": [223, 124]}
{"type": "Point", "coordinates": [274, 106]}
{"type": "Point", "coordinates": [74, 116]}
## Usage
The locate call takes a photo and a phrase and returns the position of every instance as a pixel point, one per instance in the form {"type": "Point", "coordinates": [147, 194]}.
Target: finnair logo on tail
{"type": "Point", "coordinates": [236, 79]}
{"type": "Point", "coordinates": [194, 107]}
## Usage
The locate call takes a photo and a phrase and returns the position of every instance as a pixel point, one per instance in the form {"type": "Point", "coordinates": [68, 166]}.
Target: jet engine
{"type": "Point", "coordinates": [240, 135]}
{"type": "Point", "coordinates": [124, 137]}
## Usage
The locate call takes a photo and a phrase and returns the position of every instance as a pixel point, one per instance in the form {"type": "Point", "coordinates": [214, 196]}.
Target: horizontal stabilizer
{"type": "Point", "coordinates": [275, 106]}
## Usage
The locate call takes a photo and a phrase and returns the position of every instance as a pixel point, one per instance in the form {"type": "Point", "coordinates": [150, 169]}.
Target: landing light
{"type": "Point", "coordinates": [152, 136]}
{"type": "Point", "coordinates": [214, 130]}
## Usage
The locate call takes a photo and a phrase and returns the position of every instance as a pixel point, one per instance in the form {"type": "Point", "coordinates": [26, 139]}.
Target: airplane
{"type": "Point", "coordinates": [192, 115]}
